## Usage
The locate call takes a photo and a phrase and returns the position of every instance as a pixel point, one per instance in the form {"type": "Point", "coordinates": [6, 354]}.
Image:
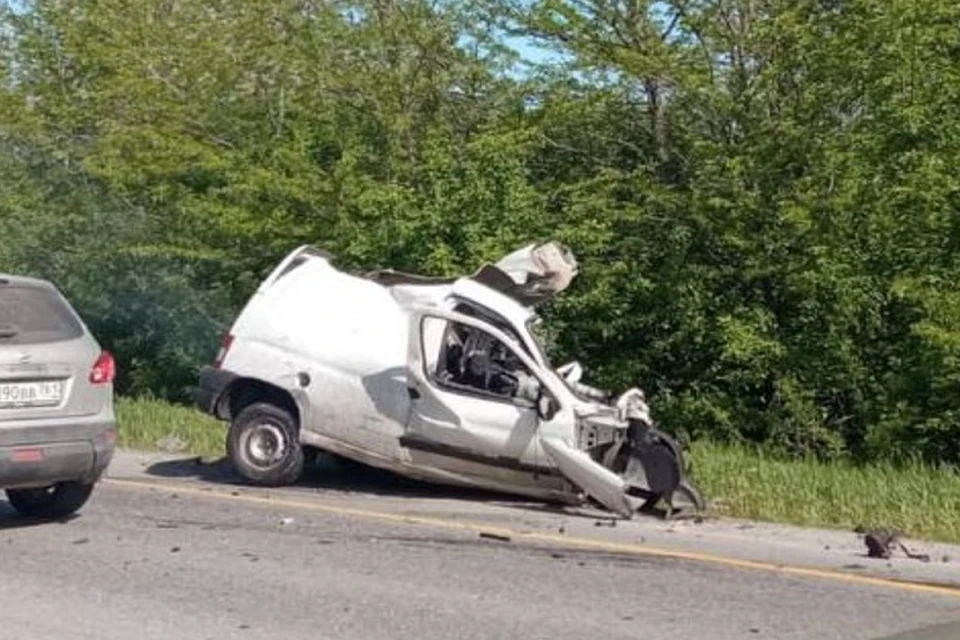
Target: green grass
{"type": "Point", "coordinates": [918, 500]}
{"type": "Point", "coordinates": [154, 425]}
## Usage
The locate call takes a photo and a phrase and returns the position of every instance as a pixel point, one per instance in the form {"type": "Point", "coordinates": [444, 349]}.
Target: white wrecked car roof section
{"type": "Point", "coordinates": [552, 264]}
{"type": "Point", "coordinates": [531, 275]}
{"type": "Point", "coordinates": [503, 304]}
{"type": "Point", "coordinates": [411, 295]}
{"type": "Point", "coordinates": [294, 259]}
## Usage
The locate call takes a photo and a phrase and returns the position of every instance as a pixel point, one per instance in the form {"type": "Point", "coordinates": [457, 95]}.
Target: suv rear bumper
{"type": "Point", "coordinates": [41, 453]}
{"type": "Point", "coordinates": [213, 382]}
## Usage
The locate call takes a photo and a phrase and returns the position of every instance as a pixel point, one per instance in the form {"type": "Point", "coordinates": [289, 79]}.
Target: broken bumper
{"type": "Point", "coordinates": [213, 382]}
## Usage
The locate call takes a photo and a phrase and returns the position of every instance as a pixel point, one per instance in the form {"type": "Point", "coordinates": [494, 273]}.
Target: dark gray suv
{"type": "Point", "coordinates": [57, 424]}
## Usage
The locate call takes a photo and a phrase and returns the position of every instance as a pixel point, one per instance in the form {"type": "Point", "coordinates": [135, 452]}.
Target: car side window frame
{"type": "Point", "coordinates": [467, 389]}
{"type": "Point", "coordinates": [548, 388]}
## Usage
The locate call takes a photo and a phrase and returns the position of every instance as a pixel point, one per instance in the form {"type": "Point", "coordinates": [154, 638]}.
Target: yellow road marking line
{"type": "Point", "coordinates": [552, 538]}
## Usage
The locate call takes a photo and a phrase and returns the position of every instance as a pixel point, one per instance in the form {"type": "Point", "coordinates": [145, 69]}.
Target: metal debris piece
{"type": "Point", "coordinates": [494, 536]}
{"type": "Point", "coordinates": [881, 543]}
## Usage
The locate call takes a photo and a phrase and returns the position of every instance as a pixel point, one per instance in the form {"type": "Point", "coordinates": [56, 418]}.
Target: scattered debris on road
{"type": "Point", "coordinates": [881, 543]}
{"type": "Point", "coordinates": [494, 536]}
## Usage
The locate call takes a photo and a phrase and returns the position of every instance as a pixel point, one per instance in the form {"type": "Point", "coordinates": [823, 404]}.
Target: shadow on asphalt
{"type": "Point", "coordinates": [335, 474]}
{"type": "Point", "coordinates": [10, 519]}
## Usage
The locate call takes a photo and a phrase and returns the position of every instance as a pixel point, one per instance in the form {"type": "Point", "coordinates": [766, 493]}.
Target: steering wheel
{"type": "Point", "coordinates": [480, 363]}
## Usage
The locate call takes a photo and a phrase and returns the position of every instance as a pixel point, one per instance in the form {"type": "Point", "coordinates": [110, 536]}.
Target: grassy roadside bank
{"type": "Point", "coordinates": [921, 501]}
{"type": "Point", "coordinates": [152, 425]}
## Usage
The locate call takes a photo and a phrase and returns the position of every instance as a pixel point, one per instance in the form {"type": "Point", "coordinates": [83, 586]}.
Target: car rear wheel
{"type": "Point", "coordinates": [264, 446]}
{"type": "Point", "coordinates": [57, 501]}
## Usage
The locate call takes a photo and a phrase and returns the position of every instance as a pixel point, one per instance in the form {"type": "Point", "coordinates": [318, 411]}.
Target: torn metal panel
{"type": "Point", "coordinates": [531, 275]}
{"type": "Point", "coordinates": [604, 485]}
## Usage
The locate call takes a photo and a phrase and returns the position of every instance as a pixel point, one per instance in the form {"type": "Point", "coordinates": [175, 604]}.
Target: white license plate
{"type": "Point", "coordinates": [30, 394]}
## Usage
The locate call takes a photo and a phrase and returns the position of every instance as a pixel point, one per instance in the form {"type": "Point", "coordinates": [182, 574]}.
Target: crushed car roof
{"type": "Point", "coordinates": [530, 275]}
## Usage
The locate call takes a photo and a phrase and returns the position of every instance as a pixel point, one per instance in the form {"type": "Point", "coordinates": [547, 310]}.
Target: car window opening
{"type": "Point", "coordinates": [473, 360]}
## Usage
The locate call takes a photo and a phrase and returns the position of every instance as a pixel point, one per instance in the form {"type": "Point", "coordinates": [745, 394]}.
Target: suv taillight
{"type": "Point", "coordinates": [104, 369]}
{"type": "Point", "coordinates": [225, 343]}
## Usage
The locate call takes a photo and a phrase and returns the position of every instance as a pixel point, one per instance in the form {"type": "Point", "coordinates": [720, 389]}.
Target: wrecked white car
{"type": "Point", "coordinates": [436, 379]}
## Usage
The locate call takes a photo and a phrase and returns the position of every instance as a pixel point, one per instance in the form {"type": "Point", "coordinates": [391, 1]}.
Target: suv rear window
{"type": "Point", "coordinates": [34, 315]}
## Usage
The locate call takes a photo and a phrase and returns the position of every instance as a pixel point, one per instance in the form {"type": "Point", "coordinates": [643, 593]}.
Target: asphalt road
{"type": "Point", "coordinates": [166, 551]}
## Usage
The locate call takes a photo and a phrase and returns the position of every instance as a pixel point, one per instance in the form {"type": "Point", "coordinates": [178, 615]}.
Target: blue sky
{"type": "Point", "coordinates": [532, 52]}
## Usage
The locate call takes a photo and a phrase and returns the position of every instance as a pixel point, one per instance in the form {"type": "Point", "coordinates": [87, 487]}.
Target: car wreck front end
{"type": "Point", "coordinates": [638, 466]}
{"type": "Point", "coordinates": [608, 446]}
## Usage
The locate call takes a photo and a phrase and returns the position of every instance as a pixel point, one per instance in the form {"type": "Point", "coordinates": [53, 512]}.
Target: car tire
{"type": "Point", "coordinates": [54, 502]}
{"type": "Point", "coordinates": [687, 497]}
{"type": "Point", "coordinates": [264, 445]}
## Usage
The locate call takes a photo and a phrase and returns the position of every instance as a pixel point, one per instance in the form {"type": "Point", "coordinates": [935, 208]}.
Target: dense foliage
{"type": "Point", "coordinates": [763, 194]}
